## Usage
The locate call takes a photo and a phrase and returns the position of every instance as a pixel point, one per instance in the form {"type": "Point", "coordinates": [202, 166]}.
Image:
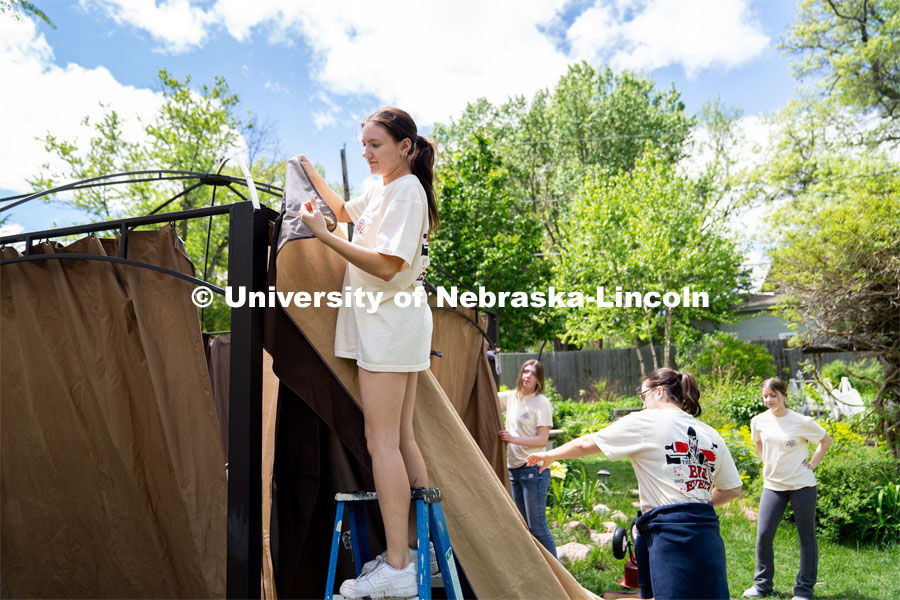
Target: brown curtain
{"type": "Point", "coordinates": [500, 557]}
{"type": "Point", "coordinates": [113, 481]}
{"type": "Point", "coordinates": [219, 357]}
{"type": "Point", "coordinates": [465, 375]}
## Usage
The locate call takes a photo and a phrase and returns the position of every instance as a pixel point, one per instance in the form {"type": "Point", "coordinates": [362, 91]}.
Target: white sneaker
{"type": "Point", "coordinates": [413, 555]}
{"type": "Point", "coordinates": [383, 580]}
{"type": "Point", "coordinates": [753, 592]}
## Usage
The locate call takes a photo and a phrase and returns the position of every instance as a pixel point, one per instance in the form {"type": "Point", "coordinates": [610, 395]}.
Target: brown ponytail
{"type": "Point", "coordinates": [681, 388]}
{"type": "Point", "coordinates": [421, 156]}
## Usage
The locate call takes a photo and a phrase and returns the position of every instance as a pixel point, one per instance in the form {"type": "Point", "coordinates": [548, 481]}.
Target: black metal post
{"type": "Point", "coordinates": [248, 241]}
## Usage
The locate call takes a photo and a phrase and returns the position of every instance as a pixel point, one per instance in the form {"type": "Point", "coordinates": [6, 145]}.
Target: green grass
{"type": "Point", "coordinates": [845, 572]}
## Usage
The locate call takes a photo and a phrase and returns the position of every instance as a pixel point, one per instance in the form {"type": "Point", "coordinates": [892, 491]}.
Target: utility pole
{"type": "Point", "coordinates": [346, 188]}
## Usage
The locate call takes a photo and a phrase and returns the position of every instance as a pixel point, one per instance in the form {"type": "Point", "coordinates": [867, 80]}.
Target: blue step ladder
{"type": "Point", "coordinates": [429, 522]}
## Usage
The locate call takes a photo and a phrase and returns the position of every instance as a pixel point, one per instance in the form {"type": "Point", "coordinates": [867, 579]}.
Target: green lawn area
{"type": "Point", "coordinates": [845, 572]}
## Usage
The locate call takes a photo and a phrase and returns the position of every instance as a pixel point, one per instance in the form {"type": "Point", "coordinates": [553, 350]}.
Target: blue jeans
{"type": "Point", "coordinates": [529, 491]}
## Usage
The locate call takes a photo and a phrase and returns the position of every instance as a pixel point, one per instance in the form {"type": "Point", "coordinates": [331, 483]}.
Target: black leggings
{"type": "Point", "coordinates": [771, 510]}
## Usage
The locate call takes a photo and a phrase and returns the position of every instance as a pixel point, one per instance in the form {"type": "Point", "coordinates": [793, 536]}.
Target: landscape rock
{"type": "Point", "coordinates": [750, 514]}
{"type": "Point", "coordinates": [602, 509]}
{"type": "Point", "coordinates": [601, 539]}
{"type": "Point", "coordinates": [578, 526]}
{"type": "Point", "coordinates": [609, 526]}
{"type": "Point", "coordinates": [573, 551]}
{"type": "Point", "coordinates": [619, 516]}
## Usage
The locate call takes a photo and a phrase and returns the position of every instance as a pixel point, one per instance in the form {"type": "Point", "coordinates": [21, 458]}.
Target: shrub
{"type": "Point", "coordinates": [852, 479]}
{"type": "Point", "coordinates": [600, 390]}
{"type": "Point", "coordinates": [722, 355]}
{"type": "Point", "coordinates": [743, 451]}
{"type": "Point", "coordinates": [579, 418]}
{"type": "Point", "coordinates": [574, 496]}
{"type": "Point", "coordinates": [887, 528]}
{"type": "Point", "coordinates": [729, 401]}
{"type": "Point", "coordinates": [550, 391]}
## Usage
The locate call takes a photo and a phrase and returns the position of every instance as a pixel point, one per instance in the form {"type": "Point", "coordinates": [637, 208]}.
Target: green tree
{"type": "Point", "coordinates": [193, 130]}
{"type": "Point", "coordinates": [646, 231]}
{"type": "Point", "coordinates": [18, 8]}
{"type": "Point", "coordinates": [484, 241]}
{"type": "Point", "coordinates": [838, 270]}
{"type": "Point", "coordinates": [854, 45]}
{"type": "Point", "coordinates": [593, 118]}
{"type": "Point", "coordinates": [722, 356]}
{"type": "Point", "coordinates": [592, 123]}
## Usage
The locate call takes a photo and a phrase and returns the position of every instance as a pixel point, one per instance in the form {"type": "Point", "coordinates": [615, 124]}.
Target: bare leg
{"type": "Point", "coordinates": [383, 400]}
{"type": "Point", "coordinates": [412, 457]}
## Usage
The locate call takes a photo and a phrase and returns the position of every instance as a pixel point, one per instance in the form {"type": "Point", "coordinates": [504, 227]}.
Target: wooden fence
{"type": "Point", "coordinates": [574, 371]}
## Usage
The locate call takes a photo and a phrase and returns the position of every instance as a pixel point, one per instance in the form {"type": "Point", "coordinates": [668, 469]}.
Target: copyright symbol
{"type": "Point", "coordinates": [202, 297]}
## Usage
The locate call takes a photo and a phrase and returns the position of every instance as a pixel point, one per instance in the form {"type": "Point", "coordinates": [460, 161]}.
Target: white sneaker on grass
{"type": "Point", "coordinates": [413, 555]}
{"type": "Point", "coordinates": [753, 592]}
{"type": "Point", "coordinates": [383, 580]}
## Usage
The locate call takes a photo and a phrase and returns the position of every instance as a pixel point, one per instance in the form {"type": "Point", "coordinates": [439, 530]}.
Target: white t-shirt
{"type": "Point", "coordinates": [785, 442]}
{"type": "Point", "coordinates": [391, 219]}
{"type": "Point", "coordinates": [523, 417]}
{"type": "Point", "coordinates": [676, 458]}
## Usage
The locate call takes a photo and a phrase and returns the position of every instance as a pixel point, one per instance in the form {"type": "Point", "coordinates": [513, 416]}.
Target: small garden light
{"type": "Point", "coordinates": [603, 475]}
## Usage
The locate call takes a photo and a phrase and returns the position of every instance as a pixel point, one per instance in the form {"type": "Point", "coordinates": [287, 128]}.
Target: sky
{"type": "Point", "coordinates": [314, 69]}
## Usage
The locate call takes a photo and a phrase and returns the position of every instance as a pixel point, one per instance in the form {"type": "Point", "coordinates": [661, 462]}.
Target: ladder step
{"type": "Point", "coordinates": [366, 496]}
{"type": "Point", "coordinates": [430, 525]}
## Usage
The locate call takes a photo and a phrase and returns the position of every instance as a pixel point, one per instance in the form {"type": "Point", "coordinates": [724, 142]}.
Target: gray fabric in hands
{"type": "Point", "coordinates": [299, 189]}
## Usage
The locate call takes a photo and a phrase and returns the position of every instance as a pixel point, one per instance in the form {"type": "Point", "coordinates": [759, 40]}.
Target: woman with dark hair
{"type": "Point", "coordinates": [529, 418]}
{"type": "Point", "coordinates": [683, 469]}
{"type": "Point", "coordinates": [390, 344]}
{"type": "Point", "coordinates": [782, 438]}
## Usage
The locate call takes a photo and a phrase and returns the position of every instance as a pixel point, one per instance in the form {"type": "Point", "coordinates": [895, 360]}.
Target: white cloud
{"type": "Point", "coordinates": [327, 117]}
{"type": "Point", "coordinates": [276, 88]}
{"type": "Point", "coordinates": [11, 229]}
{"type": "Point", "coordinates": [434, 57]}
{"type": "Point", "coordinates": [42, 97]}
{"type": "Point", "coordinates": [751, 134]}
{"type": "Point", "coordinates": [178, 24]}
{"type": "Point", "coordinates": [323, 119]}
{"type": "Point", "coordinates": [643, 35]}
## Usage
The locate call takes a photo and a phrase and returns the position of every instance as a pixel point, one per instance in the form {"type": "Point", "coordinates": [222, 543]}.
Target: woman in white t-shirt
{"type": "Point", "coordinates": [782, 438]}
{"type": "Point", "coordinates": [683, 469]}
{"type": "Point", "coordinates": [529, 417]}
{"type": "Point", "coordinates": [390, 343]}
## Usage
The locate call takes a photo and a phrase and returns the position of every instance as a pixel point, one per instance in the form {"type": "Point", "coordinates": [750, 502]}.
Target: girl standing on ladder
{"type": "Point", "coordinates": [388, 254]}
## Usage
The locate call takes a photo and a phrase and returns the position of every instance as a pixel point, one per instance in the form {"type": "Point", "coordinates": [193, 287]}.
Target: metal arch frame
{"type": "Point", "coordinates": [213, 179]}
{"type": "Point", "coordinates": [248, 245]}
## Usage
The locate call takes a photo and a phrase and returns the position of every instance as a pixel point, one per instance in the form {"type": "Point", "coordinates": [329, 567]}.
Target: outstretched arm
{"type": "Point", "coordinates": [583, 446]}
